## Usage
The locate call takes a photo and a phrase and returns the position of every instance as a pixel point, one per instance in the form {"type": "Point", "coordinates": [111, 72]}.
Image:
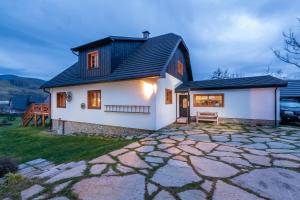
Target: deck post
{"type": "Point", "coordinates": [43, 120]}
{"type": "Point", "coordinates": [35, 119]}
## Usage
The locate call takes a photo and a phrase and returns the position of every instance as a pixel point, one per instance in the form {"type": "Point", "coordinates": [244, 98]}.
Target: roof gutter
{"type": "Point", "coordinates": [74, 53]}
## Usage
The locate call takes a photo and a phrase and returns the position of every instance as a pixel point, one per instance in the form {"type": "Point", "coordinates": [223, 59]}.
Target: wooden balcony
{"type": "Point", "coordinates": [36, 113]}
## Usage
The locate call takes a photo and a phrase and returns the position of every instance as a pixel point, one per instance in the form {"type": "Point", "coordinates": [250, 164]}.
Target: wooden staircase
{"type": "Point", "coordinates": [36, 113]}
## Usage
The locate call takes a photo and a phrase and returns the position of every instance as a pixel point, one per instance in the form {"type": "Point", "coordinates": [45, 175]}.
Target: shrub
{"type": "Point", "coordinates": [11, 118]}
{"type": "Point", "coordinates": [13, 179]}
{"type": "Point", "coordinates": [7, 165]}
{"type": "Point", "coordinates": [4, 121]}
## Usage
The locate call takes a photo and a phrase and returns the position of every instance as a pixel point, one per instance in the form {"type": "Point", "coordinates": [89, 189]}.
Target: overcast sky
{"type": "Point", "coordinates": [36, 35]}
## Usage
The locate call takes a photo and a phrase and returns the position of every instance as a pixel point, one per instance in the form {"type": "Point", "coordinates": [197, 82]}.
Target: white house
{"type": "Point", "coordinates": [124, 85]}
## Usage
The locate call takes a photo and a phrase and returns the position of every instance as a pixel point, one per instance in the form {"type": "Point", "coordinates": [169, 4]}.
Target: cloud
{"type": "Point", "coordinates": [36, 37]}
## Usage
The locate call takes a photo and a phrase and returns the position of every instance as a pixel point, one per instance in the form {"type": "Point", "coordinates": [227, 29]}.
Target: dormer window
{"type": "Point", "coordinates": [179, 68]}
{"type": "Point", "coordinates": [93, 60]}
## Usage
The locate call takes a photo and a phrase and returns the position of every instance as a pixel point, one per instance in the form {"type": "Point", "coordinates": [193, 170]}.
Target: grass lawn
{"type": "Point", "coordinates": [25, 144]}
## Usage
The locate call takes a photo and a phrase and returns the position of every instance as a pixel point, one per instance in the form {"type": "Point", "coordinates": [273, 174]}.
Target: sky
{"type": "Point", "coordinates": [36, 35]}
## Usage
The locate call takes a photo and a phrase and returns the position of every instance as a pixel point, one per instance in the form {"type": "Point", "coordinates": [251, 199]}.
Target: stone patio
{"type": "Point", "coordinates": [198, 161]}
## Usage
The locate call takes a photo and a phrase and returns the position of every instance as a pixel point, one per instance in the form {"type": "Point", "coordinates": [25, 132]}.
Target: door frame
{"type": "Point", "coordinates": [179, 105]}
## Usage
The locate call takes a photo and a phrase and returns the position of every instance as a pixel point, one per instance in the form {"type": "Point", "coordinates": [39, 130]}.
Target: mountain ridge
{"type": "Point", "coordinates": [12, 85]}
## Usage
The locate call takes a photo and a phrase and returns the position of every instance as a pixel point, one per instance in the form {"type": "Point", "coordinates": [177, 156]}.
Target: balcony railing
{"type": "Point", "coordinates": [127, 109]}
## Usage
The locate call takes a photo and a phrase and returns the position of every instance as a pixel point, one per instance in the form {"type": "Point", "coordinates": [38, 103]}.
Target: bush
{"type": "Point", "coordinates": [4, 121]}
{"type": "Point", "coordinates": [13, 179]}
{"type": "Point", "coordinates": [7, 165]}
{"type": "Point", "coordinates": [11, 118]}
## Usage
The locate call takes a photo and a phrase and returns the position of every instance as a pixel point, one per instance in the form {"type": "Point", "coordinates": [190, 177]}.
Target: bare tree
{"type": "Point", "coordinates": [224, 74]}
{"type": "Point", "coordinates": [291, 49]}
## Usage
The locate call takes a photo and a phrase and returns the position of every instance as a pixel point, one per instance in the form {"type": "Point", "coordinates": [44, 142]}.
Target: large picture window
{"type": "Point", "coordinates": [94, 99]}
{"type": "Point", "coordinates": [208, 100]}
{"type": "Point", "coordinates": [168, 96]}
{"type": "Point", "coordinates": [61, 100]}
{"type": "Point", "coordinates": [93, 60]}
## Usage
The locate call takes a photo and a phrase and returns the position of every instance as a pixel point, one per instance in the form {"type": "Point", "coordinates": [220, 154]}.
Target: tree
{"type": "Point", "coordinates": [291, 49]}
{"type": "Point", "coordinates": [278, 73]}
{"type": "Point", "coordinates": [219, 74]}
{"type": "Point", "coordinates": [224, 74]}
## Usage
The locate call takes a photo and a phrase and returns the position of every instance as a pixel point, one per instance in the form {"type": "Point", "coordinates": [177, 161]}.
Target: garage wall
{"type": "Point", "coordinates": [243, 103]}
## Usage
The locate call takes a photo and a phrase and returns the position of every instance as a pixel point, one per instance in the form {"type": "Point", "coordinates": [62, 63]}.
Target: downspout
{"type": "Point", "coordinates": [176, 106]}
{"type": "Point", "coordinates": [48, 92]}
{"type": "Point", "coordinates": [275, 107]}
{"type": "Point", "coordinates": [189, 105]}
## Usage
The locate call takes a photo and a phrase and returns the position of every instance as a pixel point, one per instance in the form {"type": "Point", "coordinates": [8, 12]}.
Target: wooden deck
{"type": "Point", "coordinates": [36, 114]}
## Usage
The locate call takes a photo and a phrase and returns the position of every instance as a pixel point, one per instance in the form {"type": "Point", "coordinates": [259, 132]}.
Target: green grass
{"type": "Point", "coordinates": [25, 144]}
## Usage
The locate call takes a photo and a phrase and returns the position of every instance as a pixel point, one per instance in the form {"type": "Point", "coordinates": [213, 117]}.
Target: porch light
{"type": "Point", "coordinates": [149, 89]}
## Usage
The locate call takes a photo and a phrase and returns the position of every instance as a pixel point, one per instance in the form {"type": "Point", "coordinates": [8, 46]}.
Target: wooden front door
{"type": "Point", "coordinates": [183, 105]}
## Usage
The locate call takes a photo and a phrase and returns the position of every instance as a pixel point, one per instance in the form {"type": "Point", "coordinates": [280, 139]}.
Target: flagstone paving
{"type": "Point", "coordinates": [198, 161]}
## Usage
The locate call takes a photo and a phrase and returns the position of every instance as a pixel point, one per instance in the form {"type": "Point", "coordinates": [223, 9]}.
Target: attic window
{"type": "Point", "coordinates": [93, 60]}
{"type": "Point", "coordinates": [179, 67]}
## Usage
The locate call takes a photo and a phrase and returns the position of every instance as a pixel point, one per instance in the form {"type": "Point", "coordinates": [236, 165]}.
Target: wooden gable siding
{"type": "Point", "coordinates": [104, 62]}
{"type": "Point", "coordinates": [172, 66]}
{"type": "Point", "coordinates": [121, 50]}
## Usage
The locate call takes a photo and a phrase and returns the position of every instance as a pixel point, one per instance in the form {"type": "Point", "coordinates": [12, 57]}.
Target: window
{"type": "Point", "coordinates": [61, 100]}
{"type": "Point", "coordinates": [168, 96]}
{"type": "Point", "coordinates": [93, 60]}
{"type": "Point", "coordinates": [208, 100]}
{"type": "Point", "coordinates": [94, 99]}
{"type": "Point", "coordinates": [179, 67]}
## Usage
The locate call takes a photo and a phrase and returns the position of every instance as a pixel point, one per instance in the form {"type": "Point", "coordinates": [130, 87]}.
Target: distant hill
{"type": "Point", "coordinates": [12, 85]}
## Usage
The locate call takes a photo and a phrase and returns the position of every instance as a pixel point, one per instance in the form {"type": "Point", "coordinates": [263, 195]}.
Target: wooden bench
{"type": "Point", "coordinates": [207, 116]}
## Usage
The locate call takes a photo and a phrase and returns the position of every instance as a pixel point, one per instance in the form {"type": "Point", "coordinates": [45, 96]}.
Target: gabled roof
{"type": "Point", "coordinates": [233, 83]}
{"type": "Point", "coordinates": [148, 60]}
{"type": "Point", "coordinates": [292, 90]}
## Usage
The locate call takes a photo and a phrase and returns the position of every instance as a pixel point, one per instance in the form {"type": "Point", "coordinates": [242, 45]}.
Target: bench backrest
{"type": "Point", "coordinates": [207, 114]}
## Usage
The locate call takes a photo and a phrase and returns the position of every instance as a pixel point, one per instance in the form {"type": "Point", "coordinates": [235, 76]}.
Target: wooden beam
{"type": "Point", "coordinates": [35, 119]}
{"type": "Point", "coordinates": [43, 120]}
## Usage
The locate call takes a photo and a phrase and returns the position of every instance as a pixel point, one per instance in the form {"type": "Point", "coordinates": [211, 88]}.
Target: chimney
{"type": "Point", "coordinates": [146, 34]}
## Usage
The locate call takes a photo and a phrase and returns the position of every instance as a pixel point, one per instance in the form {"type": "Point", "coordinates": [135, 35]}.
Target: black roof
{"type": "Point", "coordinates": [102, 41]}
{"type": "Point", "coordinates": [148, 60]}
{"type": "Point", "coordinates": [292, 90]}
{"type": "Point", "coordinates": [232, 83]}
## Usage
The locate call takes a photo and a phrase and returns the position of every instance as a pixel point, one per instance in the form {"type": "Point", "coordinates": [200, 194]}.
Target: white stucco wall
{"type": "Point", "coordinates": [243, 103]}
{"type": "Point", "coordinates": [134, 92]}
{"type": "Point", "coordinates": [166, 113]}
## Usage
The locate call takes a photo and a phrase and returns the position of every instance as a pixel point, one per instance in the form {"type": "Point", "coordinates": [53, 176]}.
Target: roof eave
{"type": "Point", "coordinates": [228, 88]}
{"type": "Point", "coordinates": [101, 81]}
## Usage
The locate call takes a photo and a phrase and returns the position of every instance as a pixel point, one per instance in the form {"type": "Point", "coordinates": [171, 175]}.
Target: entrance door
{"type": "Point", "coordinates": [183, 105]}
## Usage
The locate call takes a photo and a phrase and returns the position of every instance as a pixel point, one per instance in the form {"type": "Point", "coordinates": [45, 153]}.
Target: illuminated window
{"type": "Point", "coordinates": [168, 96]}
{"type": "Point", "coordinates": [61, 100]}
{"type": "Point", "coordinates": [208, 100]}
{"type": "Point", "coordinates": [94, 99]}
{"type": "Point", "coordinates": [93, 60]}
{"type": "Point", "coordinates": [180, 67]}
